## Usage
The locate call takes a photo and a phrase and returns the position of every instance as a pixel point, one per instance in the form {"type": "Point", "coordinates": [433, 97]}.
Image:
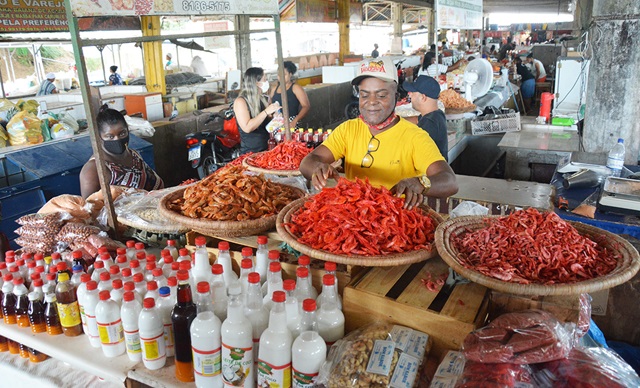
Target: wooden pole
{"type": "Point", "coordinates": [285, 100]}
{"type": "Point", "coordinates": [92, 110]}
{"type": "Point", "coordinates": [343, 29]}
{"type": "Point", "coordinates": [152, 52]}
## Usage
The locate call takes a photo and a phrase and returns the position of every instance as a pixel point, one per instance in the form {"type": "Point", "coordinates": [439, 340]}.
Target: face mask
{"type": "Point", "coordinates": [264, 87]}
{"type": "Point", "coordinates": [116, 147]}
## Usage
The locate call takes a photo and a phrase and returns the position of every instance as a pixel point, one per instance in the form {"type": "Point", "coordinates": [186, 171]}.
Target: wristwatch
{"type": "Point", "coordinates": [426, 182]}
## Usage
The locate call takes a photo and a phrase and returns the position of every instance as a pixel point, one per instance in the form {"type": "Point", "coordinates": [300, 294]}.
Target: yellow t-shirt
{"type": "Point", "coordinates": [405, 151]}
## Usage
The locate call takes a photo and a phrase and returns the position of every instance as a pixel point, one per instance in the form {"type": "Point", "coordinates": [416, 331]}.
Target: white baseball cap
{"type": "Point", "coordinates": [381, 68]}
{"type": "Point", "coordinates": [51, 76]}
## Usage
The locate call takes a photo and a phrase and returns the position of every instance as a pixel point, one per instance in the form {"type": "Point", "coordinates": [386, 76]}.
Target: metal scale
{"type": "Point", "coordinates": [620, 195]}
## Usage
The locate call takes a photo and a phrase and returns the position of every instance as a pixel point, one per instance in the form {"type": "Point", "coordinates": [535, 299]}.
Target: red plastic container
{"type": "Point", "coordinates": [545, 105]}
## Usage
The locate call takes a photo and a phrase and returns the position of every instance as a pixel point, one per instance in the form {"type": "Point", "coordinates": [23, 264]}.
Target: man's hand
{"type": "Point", "coordinates": [412, 190]}
{"type": "Point", "coordinates": [321, 174]}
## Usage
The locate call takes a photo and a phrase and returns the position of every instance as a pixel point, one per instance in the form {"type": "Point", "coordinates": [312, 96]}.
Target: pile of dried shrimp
{"type": "Point", "coordinates": [285, 156]}
{"type": "Point", "coordinates": [451, 99]}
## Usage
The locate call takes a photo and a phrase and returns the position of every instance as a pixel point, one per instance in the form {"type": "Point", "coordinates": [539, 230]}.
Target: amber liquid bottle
{"type": "Point", "coordinates": [36, 356]}
{"type": "Point", "coordinates": [4, 344]}
{"type": "Point", "coordinates": [67, 304]}
{"type": "Point", "coordinates": [8, 301]}
{"type": "Point", "coordinates": [36, 314]}
{"type": "Point", "coordinates": [51, 315]}
{"type": "Point", "coordinates": [182, 315]}
{"type": "Point", "coordinates": [23, 350]}
{"type": "Point", "coordinates": [14, 347]}
{"type": "Point", "coordinates": [22, 304]}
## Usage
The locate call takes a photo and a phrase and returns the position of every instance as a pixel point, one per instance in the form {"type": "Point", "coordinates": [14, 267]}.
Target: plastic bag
{"type": "Point", "coordinates": [78, 209]}
{"type": "Point", "coordinates": [30, 106]}
{"type": "Point", "coordinates": [139, 127]}
{"type": "Point", "coordinates": [276, 123]}
{"type": "Point", "coordinates": [584, 317]}
{"type": "Point", "coordinates": [24, 128]}
{"type": "Point", "coordinates": [449, 370]}
{"type": "Point", "coordinates": [524, 337]}
{"type": "Point", "coordinates": [481, 375]}
{"type": "Point", "coordinates": [141, 209]}
{"type": "Point", "coordinates": [4, 137]}
{"type": "Point", "coordinates": [587, 368]}
{"type": "Point", "coordinates": [384, 355]}
{"type": "Point", "coordinates": [6, 105]}
{"type": "Point", "coordinates": [468, 208]}
{"type": "Point", "coordinates": [44, 247]}
{"type": "Point", "coordinates": [62, 125]}
{"type": "Point", "coordinates": [76, 232]}
{"type": "Point", "coordinates": [51, 220]}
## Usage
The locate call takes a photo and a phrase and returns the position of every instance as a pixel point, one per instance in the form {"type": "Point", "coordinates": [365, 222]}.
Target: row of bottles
{"type": "Point", "coordinates": [311, 138]}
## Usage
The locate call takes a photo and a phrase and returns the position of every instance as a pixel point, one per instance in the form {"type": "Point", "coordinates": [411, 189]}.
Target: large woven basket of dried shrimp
{"type": "Point", "coordinates": [229, 204]}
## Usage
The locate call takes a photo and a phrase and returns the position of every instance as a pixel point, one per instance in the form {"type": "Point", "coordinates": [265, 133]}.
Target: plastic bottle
{"type": "Point", "coordinates": [202, 268]}
{"type": "Point", "coordinates": [37, 287]}
{"type": "Point", "coordinates": [184, 255]}
{"type": "Point", "coordinates": [224, 259]}
{"type": "Point", "coordinates": [8, 300]}
{"type": "Point", "coordinates": [131, 250]}
{"type": "Point", "coordinates": [274, 357]}
{"type": "Point", "coordinates": [303, 289]}
{"type": "Point", "coordinates": [325, 136]}
{"type": "Point", "coordinates": [24, 271]}
{"type": "Point", "coordinates": [129, 312]}
{"type": "Point", "coordinates": [81, 291]}
{"type": "Point", "coordinates": [51, 317]}
{"type": "Point", "coordinates": [134, 265]}
{"type": "Point", "coordinates": [51, 279]}
{"type": "Point", "coordinates": [158, 277]}
{"type": "Point", "coordinates": [246, 267]}
{"type": "Point", "coordinates": [62, 267]}
{"type": "Point", "coordinates": [130, 286]}
{"type": "Point", "coordinates": [257, 314]}
{"type": "Point", "coordinates": [172, 283]}
{"type": "Point", "coordinates": [77, 273]}
{"type": "Point", "coordinates": [330, 322]}
{"type": "Point", "coordinates": [36, 314]}
{"type": "Point", "coordinates": [205, 341]}
{"type": "Point", "coordinates": [91, 299]}
{"type": "Point", "coordinates": [151, 332]}
{"type": "Point", "coordinates": [110, 325]}
{"type": "Point", "coordinates": [328, 293]}
{"type": "Point", "coordinates": [140, 248]}
{"type": "Point", "coordinates": [237, 344]}
{"type": "Point", "coordinates": [117, 291]}
{"type": "Point", "coordinates": [262, 258]}
{"type": "Point", "coordinates": [317, 138]}
{"type": "Point", "coordinates": [167, 261]}
{"type": "Point", "coordinates": [292, 308]}
{"type": "Point", "coordinates": [4, 344]}
{"type": "Point", "coordinates": [164, 306]}
{"type": "Point", "coordinates": [3, 268]}
{"type": "Point", "coordinates": [152, 290]}
{"type": "Point", "coordinates": [247, 253]}
{"type": "Point", "coordinates": [14, 347]}
{"type": "Point", "coordinates": [330, 268]}
{"type": "Point", "coordinates": [182, 315]}
{"type": "Point", "coordinates": [151, 265]}
{"type": "Point", "coordinates": [615, 159]}
{"type": "Point", "coordinates": [114, 272]}
{"type": "Point", "coordinates": [121, 252]}
{"type": "Point", "coordinates": [141, 284]}
{"type": "Point", "coordinates": [98, 268]}
{"type": "Point", "coordinates": [127, 276]}
{"type": "Point", "coordinates": [121, 262]}
{"type": "Point", "coordinates": [309, 350]}
{"type": "Point", "coordinates": [67, 304]}
{"type": "Point", "coordinates": [105, 257]}
{"type": "Point", "coordinates": [105, 282]}
{"type": "Point", "coordinates": [272, 256]}
{"type": "Point", "coordinates": [173, 249]}
{"type": "Point", "coordinates": [31, 269]}
{"type": "Point", "coordinates": [274, 284]}
{"type": "Point", "coordinates": [36, 356]}
{"type": "Point", "coordinates": [22, 302]}
{"type": "Point", "coordinates": [186, 266]}
{"type": "Point", "coordinates": [219, 292]}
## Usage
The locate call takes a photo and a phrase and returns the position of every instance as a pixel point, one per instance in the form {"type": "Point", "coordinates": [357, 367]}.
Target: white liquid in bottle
{"type": "Point", "coordinates": [205, 341]}
{"type": "Point", "coordinates": [154, 354]}
{"type": "Point", "coordinates": [129, 313]}
{"type": "Point", "coordinates": [275, 348]}
{"type": "Point", "coordinates": [110, 326]}
{"type": "Point", "coordinates": [262, 258]}
{"type": "Point", "coordinates": [309, 350]}
{"type": "Point", "coordinates": [237, 343]}
{"type": "Point", "coordinates": [224, 259]}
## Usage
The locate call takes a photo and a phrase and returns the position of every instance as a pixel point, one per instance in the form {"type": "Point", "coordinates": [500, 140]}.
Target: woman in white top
{"type": "Point", "coordinates": [433, 69]}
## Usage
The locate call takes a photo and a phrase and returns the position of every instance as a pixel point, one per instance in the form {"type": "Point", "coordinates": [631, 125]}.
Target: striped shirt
{"type": "Point", "coordinates": [434, 70]}
{"type": "Point", "coordinates": [46, 87]}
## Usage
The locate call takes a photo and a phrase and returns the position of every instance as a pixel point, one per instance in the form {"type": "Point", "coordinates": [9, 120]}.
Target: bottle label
{"type": "Point", "coordinates": [405, 372]}
{"type": "Point", "coordinates": [111, 333]}
{"type": "Point", "coordinates": [83, 316]}
{"type": "Point", "coordinates": [236, 365]}
{"type": "Point", "coordinates": [206, 363]}
{"type": "Point", "coordinates": [168, 336]}
{"type": "Point", "coordinates": [132, 341]}
{"type": "Point", "coordinates": [615, 163]}
{"type": "Point", "coordinates": [92, 326]}
{"type": "Point", "coordinates": [69, 314]}
{"type": "Point", "coordinates": [304, 380]}
{"type": "Point", "coordinates": [153, 348]}
{"type": "Point", "coordinates": [381, 357]}
{"type": "Point", "coordinates": [274, 376]}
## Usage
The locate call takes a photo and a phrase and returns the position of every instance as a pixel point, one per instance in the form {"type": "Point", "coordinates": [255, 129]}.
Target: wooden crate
{"type": "Point", "coordinates": [398, 294]}
{"type": "Point", "coordinates": [566, 308]}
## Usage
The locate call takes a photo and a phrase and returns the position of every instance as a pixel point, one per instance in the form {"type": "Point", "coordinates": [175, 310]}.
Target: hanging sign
{"type": "Point", "coordinates": [83, 8]}
{"type": "Point", "coordinates": [459, 14]}
{"type": "Point", "coordinates": [33, 16]}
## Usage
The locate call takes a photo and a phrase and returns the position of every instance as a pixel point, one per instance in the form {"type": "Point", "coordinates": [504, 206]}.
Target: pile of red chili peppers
{"type": "Point", "coordinates": [532, 247]}
{"type": "Point", "coordinates": [285, 156]}
{"type": "Point", "coordinates": [355, 218]}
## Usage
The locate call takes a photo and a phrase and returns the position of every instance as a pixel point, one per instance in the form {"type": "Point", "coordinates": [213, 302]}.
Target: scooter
{"type": "Point", "coordinates": [216, 146]}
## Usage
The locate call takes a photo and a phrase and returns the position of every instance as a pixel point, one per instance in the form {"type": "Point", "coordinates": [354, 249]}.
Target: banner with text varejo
{"type": "Point", "coordinates": [32, 16]}
{"type": "Point", "coordinates": [84, 8]}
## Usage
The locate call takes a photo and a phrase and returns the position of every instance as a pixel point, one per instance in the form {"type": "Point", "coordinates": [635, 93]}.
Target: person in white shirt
{"type": "Point", "coordinates": [537, 68]}
{"type": "Point", "coordinates": [433, 69]}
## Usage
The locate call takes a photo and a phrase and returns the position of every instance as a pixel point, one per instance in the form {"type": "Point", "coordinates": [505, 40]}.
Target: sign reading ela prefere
{"type": "Point", "coordinates": [32, 16]}
{"type": "Point", "coordinates": [460, 14]}
{"type": "Point", "coordinates": [83, 8]}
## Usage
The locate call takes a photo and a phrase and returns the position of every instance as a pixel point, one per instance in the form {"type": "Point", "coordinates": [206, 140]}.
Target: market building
{"type": "Point", "coordinates": [319, 193]}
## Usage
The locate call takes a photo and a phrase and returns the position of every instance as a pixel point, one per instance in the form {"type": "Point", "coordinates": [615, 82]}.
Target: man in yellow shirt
{"type": "Point", "coordinates": [381, 146]}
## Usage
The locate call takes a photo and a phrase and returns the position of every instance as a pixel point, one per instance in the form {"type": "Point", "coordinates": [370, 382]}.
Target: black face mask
{"type": "Point", "coordinates": [116, 147]}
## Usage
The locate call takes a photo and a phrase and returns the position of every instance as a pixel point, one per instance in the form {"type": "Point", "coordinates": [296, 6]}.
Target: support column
{"type": "Point", "coordinates": [396, 15]}
{"type": "Point", "coordinates": [612, 100]}
{"type": "Point", "coordinates": [344, 13]}
{"type": "Point", "coordinates": [431, 28]}
{"type": "Point", "coordinates": [243, 43]}
{"type": "Point", "coordinates": [152, 54]}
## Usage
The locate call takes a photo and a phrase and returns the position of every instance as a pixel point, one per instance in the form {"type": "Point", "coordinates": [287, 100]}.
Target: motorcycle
{"type": "Point", "coordinates": [216, 146]}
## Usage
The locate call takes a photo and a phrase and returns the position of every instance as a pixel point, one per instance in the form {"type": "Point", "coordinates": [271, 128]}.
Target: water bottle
{"type": "Point", "coordinates": [615, 159]}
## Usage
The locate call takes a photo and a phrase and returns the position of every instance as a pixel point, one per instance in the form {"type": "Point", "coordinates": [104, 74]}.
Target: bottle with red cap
{"type": "Point", "coordinates": [167, 261]}
{"type": "Point", "coordinates": [81, 291]}
{"type": "Point", "coordinates": [129, 313]}
{"type": "Point", "coordinates": [36, 313]}
{"type": "Point", "coordinates": [152, 290]}
{"type": "Point", "coordinates": [309, 350]}
{"type": "Point", "coordinates": [330, 268]}
{"type": "Point", "coordinates": [98, 269]}
{"type": "Point", "coordinates": [77, 271]}
{"type": "Point", "coordinates": [274, 283]}
{"type": "Point", "coordinates": [247, 253]}
{"type": "Point", "coordinates": [224, 259]}
{"type": "Point", "coordinates": [205, 341]}
{"type": "Point", "coordinates": [22, 302]}
{"type": "Point", "coordinates": [131, 286]}
{"type": "Point", "coordinates": [134, 266]}
{"type": "Point", "coordinates": [122, 262]}
{"type": "Point", "coordinates": [10, 258]}
{"type": "Point", "coordinates": [109, 325]}
{"type": "Point", "coordinates": [33, 277]}
{"type": "Point", "coordinates": [24, 271]}
{"type": "Point", "coordinates": [141, 258]}
{"type": "Point", "coordinates": [329, 293]}
{"type": "Point", "coordinates": [62, 267]}
{"type": "Point", "coordinates": [262, 258]}
{"type": "Point", "coordinates": [303, 289]}
{"type": "Point", "coordinates": [105, 282]}
{"type": "Point", "coordinates": [151, 330]}
{"type": "Point", "coordinates": [182, 315]}
{"type": "Point", "coordinates": [31, 269]}
{"type": "Point", "coordinates": [292, 307]}
{"type": "Point", "coordinates": [164, 304]}
{"type": "Point", "coordinates": [105, 257]}
{"type": "Point", "coordinates": [131, 250]}
{"type": "Point", "coordinates": [117, 291]}
{"type": "Point", "coordinates": [127, 276]}
{"type": "Point", "coordinates": [67, 304]}
{"type": "Point", "coordinates": [237, 343]}
{"type": "Point", "coordinates": [305, 262]}
{"type": "Point", "coordinates": [273, 256]}
{"type": "Point", "coordinates": [158, 277]}
{"type": "Point", "coordinates": [172, 247]}
{"type": "Point", "coordinates": [172, 283]}
{"type": "Point", "coordinates": [246, 267]}
{"type": "Point", "coordinates": [51, 317]}
{"type": "Point", "coordinates": [330, 317]}
{"type": "Point", "coordinates": [37, 287]}
{"type": "Point", "coordinates": [114, 272]}
{"type": "Point", "coordinates": [274, 357]}
{"type": "Point", "coordinates": [202, 267]}
{"type": "Point", "coordinates": [141, 284]}
{"type": "Point", "coordinates": [151, 265]}
{"type": "Point", "coordinates": [51, 279]}
{"type": "Point", "coordinates": [91, 299]}
{"type": "Point", "coordinates": [175, 267]}
{"type": "Point", "coordinates": [254, 310]}
{"type": "Point", "coordinates": [3, 269]}
{"type": "Point", "coordinates": [219, 292]}
{"type": "Point", "coordinates": [79, 260]}
{"type": "Point", "coordinates": [186, 266]}
{"type": "Point", "coordinates": [140, 249]}
{"type": "Point", "coordinates": [184, 255]}
{"type": "Point", "coordinates": [39, 258]}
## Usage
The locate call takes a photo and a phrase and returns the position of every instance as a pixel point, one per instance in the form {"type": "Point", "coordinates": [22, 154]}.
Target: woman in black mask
{"type": "Point", "coordinates": [125, 166]}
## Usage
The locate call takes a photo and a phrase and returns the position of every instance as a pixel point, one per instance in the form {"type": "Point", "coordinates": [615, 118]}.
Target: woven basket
{"type": "Point", "coordinates": [247, 163]}
{"type": "Point", "coordinates": [628, 263]}
{"type": "Point", "coordinates": [370, 261]}
{"type": "Point", "coordinates": [217, 228]}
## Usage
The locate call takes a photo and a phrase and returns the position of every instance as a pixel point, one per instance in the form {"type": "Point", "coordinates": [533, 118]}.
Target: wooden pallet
{"type": "Point", "coordinates": [398, 294]}
{"type": "Point", "coordinates": [566, 308]}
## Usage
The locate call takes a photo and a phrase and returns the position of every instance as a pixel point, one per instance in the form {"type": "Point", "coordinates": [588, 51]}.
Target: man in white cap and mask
{"type": "Point", "coordinates": [387, 149]}
{"type": "Point", "coordinates": [47, 86]}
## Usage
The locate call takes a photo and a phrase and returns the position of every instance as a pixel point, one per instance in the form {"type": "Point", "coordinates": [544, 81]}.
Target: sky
{"type": "Point", "coordinates": [515, 18]}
